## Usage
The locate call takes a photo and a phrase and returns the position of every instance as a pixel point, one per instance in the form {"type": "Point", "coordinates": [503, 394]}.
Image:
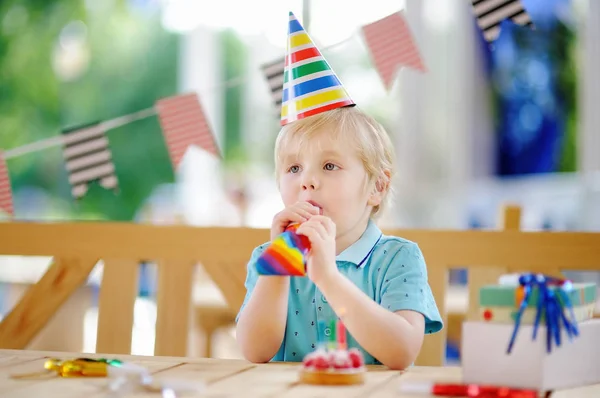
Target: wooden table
{"type": "Point", "coordinates": [222, 378]}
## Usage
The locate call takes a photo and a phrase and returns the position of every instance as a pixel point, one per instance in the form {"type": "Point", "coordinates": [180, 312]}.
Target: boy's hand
{"type": "Point", "coordinates": [321, 232]}
{"type": "Point", "coordinates": [297, 213]}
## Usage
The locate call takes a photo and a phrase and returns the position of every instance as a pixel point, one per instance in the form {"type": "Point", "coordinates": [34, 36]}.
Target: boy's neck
{"type": "Point", "coordinates": [342, 242]}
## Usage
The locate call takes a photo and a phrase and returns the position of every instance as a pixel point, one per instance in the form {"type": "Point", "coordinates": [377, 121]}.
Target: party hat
{"type": "Point", "coordinates": [310, 86]}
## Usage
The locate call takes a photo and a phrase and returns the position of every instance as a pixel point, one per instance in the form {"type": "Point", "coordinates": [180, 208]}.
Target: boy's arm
{"type": "Point", "coordinates": [393, 331]}
{"type": "Point", "coordinates": [261, 324]}
{"type": "Point", "coordinates": [394, 338]}
{"type": "Point", "coordinates": [262, 318]}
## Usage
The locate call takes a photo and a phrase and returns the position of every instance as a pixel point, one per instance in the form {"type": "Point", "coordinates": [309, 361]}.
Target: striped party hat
{"type": "Point", "coordinates": [310, 86]}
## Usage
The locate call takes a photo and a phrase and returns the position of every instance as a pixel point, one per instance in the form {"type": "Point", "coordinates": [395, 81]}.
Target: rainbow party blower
{"type": "Point", "coordinates": [286, 256]}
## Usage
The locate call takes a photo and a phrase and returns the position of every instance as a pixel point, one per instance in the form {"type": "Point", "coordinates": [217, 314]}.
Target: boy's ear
{"type": "Point", "coordinates": [381, 186]}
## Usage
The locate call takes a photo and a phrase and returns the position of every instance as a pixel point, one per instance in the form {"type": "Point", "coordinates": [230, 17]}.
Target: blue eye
{"type": "Point", "coordinates": [330, 166]}
{"type": "Point", "coordinates": [294, 169]}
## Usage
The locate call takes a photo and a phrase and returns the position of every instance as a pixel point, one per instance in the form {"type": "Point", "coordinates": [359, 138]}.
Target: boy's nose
{"type": "Point", "coordinates": [309, 183]}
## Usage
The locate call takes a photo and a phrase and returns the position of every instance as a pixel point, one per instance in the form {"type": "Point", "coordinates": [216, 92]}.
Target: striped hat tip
{"type": "Point", "coordinates": [310, 86]}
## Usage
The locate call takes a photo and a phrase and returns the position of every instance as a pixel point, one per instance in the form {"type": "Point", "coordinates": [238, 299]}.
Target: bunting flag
{"type": "Point", "coordinates": [273, 73]}
{"type": "Point", "coordinates": [490, 13]}
{"type": "Point", "coordinates": [6, 201]}
{"type": "Point", "coordinates": [392, 46]}
{"type": "Point", "coordinates": [183, 124]}
{"type": "Point", "coordinates": [88, 158]}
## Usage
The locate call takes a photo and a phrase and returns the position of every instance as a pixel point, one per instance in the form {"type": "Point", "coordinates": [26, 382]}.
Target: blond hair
{"type": "Point", "coordinates": [367, 136]}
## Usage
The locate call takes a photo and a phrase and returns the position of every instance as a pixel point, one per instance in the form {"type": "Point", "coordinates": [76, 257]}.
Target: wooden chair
{"type": "Point", "coordinates": [489, 254]}
{"type": "Point", "coordinates": [77, 247]}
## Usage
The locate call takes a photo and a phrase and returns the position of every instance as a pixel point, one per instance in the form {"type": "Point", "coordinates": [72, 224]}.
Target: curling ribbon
{"type": "Point", "coordinates": [551, 303]}
{"type": "Point", "coordinates": [85, 367]}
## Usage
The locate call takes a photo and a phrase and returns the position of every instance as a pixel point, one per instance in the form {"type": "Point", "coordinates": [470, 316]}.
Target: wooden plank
{"type": "Point", "coordinates": [105, 240]}
{"type": "Point", "coordinates": [164, 359]}
{"type": "Point", "coordinates": [8, 384]}
{"type": "Point", "coordinates": [70, 316]}
{"type": "Point", "coordinates": [198, 376]}
{"type": "Point", "coordinates": [511, 218]}
{"type": "Point", "coordinates": [417, 374]}
{"type": "Point", "coordinates": [57, 387]}
{"type": "Point", "coordinates": [434, 345]}
{"type": "Point", "coordinates": [40, 302]}
{"type": "Point", "coordinates": [531, 250]}
{"type": "Point", "coordinates": [478, 277]}
{"type": "Point", "coordinates": [229, 277]}
{"type": "Point", "coordinates": [10, 361]}
{"type": "Point", "coordinates": [209, 371]}
{"type": "Point", "coordinates": [118, 292]}
{"type": "Point", "coordinates": [262, 380]}
{"type": "Point", "coordinates": [173, 312]}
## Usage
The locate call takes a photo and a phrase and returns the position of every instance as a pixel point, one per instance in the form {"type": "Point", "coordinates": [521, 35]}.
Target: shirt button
{"type": "Point", "coordinates": [323, 299]}
{"type": "Point", "coordinates": [327, 332]}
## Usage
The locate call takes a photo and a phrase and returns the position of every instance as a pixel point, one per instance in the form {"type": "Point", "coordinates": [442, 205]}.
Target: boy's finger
{"type": "Point", "coordinates": [329, 225]}
{"type": "Point", "coordinates": [320, 229]}
{"type": "Point", "coordinates": [295, 216]}
{"type": "Point", "coordinates": [304, 213]}
{"type": "Point", "coordinates": [314, 210]}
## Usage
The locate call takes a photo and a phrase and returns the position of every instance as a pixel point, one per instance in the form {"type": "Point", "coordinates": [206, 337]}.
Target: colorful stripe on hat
{"type": "Point", "coordinates": [310, 86]}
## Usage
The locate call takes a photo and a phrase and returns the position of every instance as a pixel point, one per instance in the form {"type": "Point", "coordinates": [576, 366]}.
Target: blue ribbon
{"type": "Point", "coordinates": [550, 303]}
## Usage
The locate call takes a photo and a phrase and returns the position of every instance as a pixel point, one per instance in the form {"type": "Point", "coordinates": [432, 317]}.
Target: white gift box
{"type": "Point", "coordinates": [572, 364]}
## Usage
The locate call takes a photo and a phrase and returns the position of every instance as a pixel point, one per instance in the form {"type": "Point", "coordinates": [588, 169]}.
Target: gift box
{"type": "Point", "coordinates": [485, 360]}
{"type": "Point", "coordinates": [534, 332]}
{"type": "Point", "coordinates": [500, 303]}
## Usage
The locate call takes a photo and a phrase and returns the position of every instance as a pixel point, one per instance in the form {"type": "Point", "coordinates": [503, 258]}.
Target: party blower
{"type": "Point", "coordinates": [286, 255]}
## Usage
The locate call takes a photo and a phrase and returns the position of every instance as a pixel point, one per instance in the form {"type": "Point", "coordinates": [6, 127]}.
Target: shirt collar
{"type": "Point", "coordinates": [359, 251]}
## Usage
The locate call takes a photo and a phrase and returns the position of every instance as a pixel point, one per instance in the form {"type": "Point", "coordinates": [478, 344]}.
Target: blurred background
{"type": "Point", "coordinates": [476, 130]}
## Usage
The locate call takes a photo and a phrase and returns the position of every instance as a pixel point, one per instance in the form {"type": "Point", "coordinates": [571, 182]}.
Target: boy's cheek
{"type": "Point", "coordinates": [288, 196]}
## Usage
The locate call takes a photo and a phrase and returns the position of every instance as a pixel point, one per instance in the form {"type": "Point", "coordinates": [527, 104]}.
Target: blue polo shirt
{"type": "Point", "coordinates": [389, 269]}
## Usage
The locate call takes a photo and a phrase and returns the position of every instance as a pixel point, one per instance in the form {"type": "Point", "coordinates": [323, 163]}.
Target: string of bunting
{"type": "Point", "coordinates": [87, 154]}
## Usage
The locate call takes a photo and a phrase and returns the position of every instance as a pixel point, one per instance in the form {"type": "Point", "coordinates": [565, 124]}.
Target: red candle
{"type": "Point", "coordinates": [341, 335]}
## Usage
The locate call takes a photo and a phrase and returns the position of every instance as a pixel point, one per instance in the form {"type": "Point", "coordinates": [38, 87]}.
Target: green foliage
{"type": "Point", "coordinates": [132, 63]}
{"type": "Point", "coordinates": [234, 65]}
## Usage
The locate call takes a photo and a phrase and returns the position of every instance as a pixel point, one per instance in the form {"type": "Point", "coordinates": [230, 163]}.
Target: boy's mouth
{"type": "Point", "coordinates": [312, 202]}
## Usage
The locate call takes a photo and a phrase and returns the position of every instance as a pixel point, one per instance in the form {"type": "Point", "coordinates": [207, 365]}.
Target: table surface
{"type": "Point", "coordinates": [221, 378]}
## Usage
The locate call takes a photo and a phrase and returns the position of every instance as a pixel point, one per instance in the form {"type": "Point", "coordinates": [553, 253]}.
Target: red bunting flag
{"type": "Point", "coordinates": [183, 123]}
{"type": "Point", "coordinates": [6, 201]}
{"type": "Point", "coordinates": [392, 45]}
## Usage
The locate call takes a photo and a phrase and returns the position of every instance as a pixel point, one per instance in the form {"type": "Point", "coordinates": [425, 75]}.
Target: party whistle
{"type": "Point", "coordinates": [286, 255]}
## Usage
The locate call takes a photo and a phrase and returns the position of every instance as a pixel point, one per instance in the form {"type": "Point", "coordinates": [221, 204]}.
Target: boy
{"type": "Point", "coordinates": [334, 166]}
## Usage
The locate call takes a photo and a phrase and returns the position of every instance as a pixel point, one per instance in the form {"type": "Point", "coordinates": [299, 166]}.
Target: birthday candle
{"type": "Point", "coordinates": [341, 335]}
{"type": "Point", "coordinates": [321, 334]}
{"type": "Point", "coordinates": [332, 335]}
